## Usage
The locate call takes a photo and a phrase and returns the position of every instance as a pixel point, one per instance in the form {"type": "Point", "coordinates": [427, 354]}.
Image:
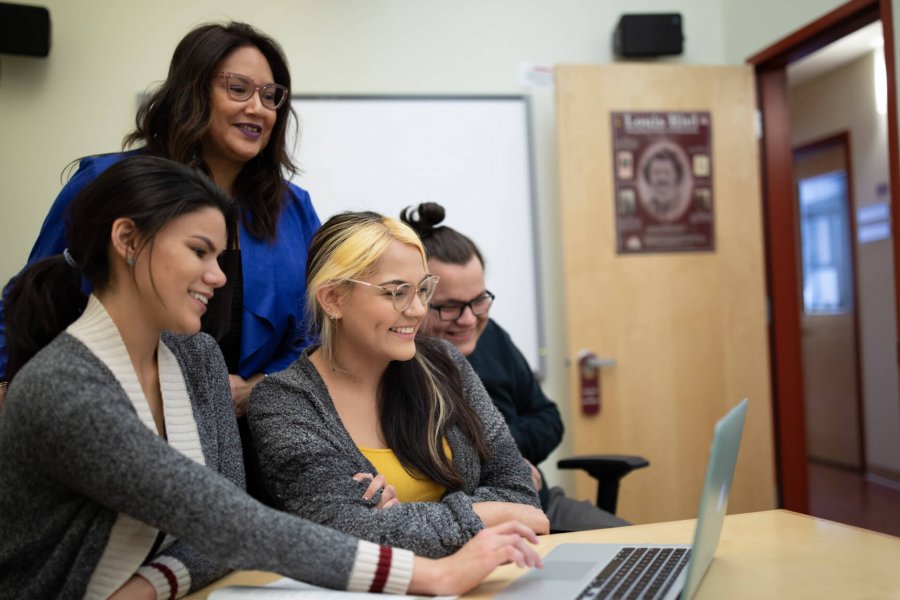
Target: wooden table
{"type": "Point", "coordinates": [771, 554]}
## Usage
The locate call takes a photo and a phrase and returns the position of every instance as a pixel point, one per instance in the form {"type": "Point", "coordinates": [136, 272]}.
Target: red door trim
{"type": "Point", "coordinates": [890, 63]}
{"type": "Point", "coordinates": [782, 271]}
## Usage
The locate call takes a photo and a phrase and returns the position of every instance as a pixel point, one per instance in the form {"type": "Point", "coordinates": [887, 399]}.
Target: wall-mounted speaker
{"type": "Point", "coordinates": [24, 29]}
{"type": "Point", "coordinates": [643, 35]}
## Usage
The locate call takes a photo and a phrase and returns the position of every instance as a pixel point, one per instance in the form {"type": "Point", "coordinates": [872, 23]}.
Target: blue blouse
{"type": "Point", "coordinates": [273, 324]}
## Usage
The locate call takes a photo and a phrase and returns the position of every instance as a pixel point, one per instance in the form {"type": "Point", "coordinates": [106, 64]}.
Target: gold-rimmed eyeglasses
{"type": "Point", "coordinates": [240, 88]}
{"type": "Point", "coordinates": [402, 294]}
{"type": "Point", "coordinates": [451, 311]}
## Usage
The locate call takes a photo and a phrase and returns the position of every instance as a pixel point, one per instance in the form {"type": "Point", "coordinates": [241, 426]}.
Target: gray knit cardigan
{"type": "Point", "coordinates": [73, 453]}
{"type": "Point", "coordinates": [307, 459]}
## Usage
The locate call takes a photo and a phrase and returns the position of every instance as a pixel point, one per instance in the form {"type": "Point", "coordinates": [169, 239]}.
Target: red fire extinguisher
{"type": "Point", "coordinates": [589, 378]}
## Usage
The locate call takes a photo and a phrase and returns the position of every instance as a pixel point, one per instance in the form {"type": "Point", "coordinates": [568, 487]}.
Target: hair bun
{"type": "Point", "coordinates": [423, 218]}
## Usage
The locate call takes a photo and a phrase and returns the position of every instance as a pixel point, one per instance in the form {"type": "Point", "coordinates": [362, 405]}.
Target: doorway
{"type": "Point", "coordinates": [879, 422]}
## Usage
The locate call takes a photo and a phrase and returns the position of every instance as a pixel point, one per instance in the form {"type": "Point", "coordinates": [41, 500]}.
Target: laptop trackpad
{"type": "Point", "coordinates": [564, 570]}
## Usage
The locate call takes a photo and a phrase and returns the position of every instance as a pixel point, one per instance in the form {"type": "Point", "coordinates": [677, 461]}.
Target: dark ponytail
{"type": "Point", "coordinates": [47, 297]}
{"type": "Point", "coordinates": [442, 243]}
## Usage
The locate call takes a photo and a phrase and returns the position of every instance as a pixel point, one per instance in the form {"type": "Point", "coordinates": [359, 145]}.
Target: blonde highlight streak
{"type": "Point", "coordinates": [347, 251]}
{"type": "Point", "coordinates": [351, 250]}
{"type": "Point", "coordinates": [349, 246]}
{"type": "Point", "coordinates": [437, 414]}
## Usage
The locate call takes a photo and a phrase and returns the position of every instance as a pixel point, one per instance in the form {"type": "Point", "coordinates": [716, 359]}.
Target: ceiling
{"type": "Point", "coordinates": [836, 55]}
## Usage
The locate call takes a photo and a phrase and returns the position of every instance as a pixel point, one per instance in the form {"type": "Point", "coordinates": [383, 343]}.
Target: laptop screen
{"type": "Point", "coordinates": [714, 499]}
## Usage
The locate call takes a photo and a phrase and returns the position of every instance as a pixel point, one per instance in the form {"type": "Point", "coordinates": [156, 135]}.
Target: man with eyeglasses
{"type": "Point", "coordinates": [459, 313]}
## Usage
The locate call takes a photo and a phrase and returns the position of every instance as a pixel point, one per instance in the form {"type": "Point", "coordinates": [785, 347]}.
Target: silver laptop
{"type": "Point", "coordinates": [594, 571]}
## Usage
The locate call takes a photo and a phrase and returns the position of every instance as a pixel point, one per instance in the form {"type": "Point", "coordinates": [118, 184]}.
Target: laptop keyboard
{"type": "Point", "coordinates": [638, 573]}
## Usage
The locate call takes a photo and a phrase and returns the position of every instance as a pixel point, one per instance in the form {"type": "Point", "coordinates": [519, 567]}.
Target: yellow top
{"type": "Point", "coordinates": [408, 488]}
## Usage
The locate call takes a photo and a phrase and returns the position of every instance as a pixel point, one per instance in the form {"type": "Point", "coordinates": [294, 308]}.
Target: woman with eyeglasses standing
{"type": "Point", "coordinates": [374, 431]}
{"type": "Point", "coordinates": [223, 110]}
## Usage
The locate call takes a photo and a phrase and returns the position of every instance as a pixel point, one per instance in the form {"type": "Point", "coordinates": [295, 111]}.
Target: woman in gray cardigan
{"type": "Point", "coordinates": [374, 400]}
{"type": "Point", "coordinates": [120, 465]}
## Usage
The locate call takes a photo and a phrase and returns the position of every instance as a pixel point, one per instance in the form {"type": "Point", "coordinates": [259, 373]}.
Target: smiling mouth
{"type": "Point", "coordinates": [200, 297]}
{"type": "Point", "coordinates": [404, 330]}
{"type": "Point", "coordinates": [250, 128]}
{"type": "Point", "coordinates": [460, 334]}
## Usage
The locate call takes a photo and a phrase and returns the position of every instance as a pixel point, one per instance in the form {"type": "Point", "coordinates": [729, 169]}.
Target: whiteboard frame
{"type": "Point", "coordinates": [536, 356]}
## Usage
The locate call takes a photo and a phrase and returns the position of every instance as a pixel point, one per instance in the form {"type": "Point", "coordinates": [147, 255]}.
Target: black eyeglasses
{"type": "Point", "coordinates": [452, 311]}
{"type": "Point", "coordinates": [402, 295]}
{"type": "Point", "coordinates": [240, 88]}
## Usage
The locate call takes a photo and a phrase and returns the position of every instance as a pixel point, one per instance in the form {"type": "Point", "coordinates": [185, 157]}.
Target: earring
{"type": "Point", "coordinates": [130, 261]}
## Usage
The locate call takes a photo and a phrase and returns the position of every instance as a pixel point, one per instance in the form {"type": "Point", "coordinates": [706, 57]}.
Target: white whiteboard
{"type": "Point", "coordinates": [470, 154]}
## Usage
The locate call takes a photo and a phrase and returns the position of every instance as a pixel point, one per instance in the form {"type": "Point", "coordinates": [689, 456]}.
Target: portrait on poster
{"type": "Point", "coordinates": [663, 181]}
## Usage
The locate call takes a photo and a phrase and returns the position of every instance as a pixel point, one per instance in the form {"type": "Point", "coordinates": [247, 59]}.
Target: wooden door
{"type": "Point", "coordinates": [687, 330]}
{"type": "Point", "coordinates": [828, 320]}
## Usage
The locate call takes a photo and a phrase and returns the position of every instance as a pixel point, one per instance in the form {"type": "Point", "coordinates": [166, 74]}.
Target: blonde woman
{"type": "Point", "coordinates": [375, 431]}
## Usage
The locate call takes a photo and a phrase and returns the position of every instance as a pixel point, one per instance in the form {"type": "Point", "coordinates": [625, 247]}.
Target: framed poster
{"type": "Point", "coordinates": [663, 181]}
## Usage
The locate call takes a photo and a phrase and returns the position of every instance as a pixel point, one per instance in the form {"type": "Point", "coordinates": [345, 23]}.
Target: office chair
{"type": "Point", "coordinates": [608, 470]}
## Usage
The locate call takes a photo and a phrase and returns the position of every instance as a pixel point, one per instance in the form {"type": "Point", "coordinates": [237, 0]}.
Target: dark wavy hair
{"type": "Point", "coordinates": [46, 297]}
{"type": "Point", "coordinates": [441, 242]}
{"type": "Point", "coordinates": [172, 121]}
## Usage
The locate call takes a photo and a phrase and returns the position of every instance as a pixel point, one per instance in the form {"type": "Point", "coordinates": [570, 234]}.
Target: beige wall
{"type": "Point", "coordinates": [818, 109]}
{"type": "Point", "coordinates": [82, 98]}
{"type": "Point", "coordinates": [753, 26]}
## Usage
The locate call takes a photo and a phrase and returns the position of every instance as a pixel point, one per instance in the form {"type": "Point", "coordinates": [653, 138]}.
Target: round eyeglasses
{"type": "Point", "coordinates": [403, 293]}
{"type": "Point", "coordinates": [240, 88]}
{"type": "Point", "coordinates": [452, 311]}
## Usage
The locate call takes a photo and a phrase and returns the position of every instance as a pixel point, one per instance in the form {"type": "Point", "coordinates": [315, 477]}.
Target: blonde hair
{"type": "Point", "coordinates": [349, 246]}
{"type": "Point", "coordinates": [418, 399]}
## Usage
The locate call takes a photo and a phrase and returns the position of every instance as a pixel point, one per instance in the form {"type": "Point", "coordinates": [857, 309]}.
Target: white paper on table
{"type": "Point", "coordinates": [291, 589]}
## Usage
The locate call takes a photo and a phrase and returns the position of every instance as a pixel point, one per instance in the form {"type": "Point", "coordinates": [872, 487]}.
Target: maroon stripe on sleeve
{"type": "Point", "coordinates": [170, 577]}
{"type": "Point", "coordinates": [383, 570]}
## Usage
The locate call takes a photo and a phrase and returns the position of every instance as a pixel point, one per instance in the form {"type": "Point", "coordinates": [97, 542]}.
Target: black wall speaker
{"type": "Point", "coordinates": [24, 29]}
{"type": "Point", "coordinates": [642, 35]}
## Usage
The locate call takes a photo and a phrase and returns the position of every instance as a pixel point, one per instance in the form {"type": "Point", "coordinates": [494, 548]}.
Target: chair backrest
{"type": "Point", "coordinates": [608, 470]}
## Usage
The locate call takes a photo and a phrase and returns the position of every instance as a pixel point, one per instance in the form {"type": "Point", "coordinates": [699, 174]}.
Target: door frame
{"type": "Point", "coordinates": [780, 222]}
{"type": "Point", "coordinates": [842, 140]}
